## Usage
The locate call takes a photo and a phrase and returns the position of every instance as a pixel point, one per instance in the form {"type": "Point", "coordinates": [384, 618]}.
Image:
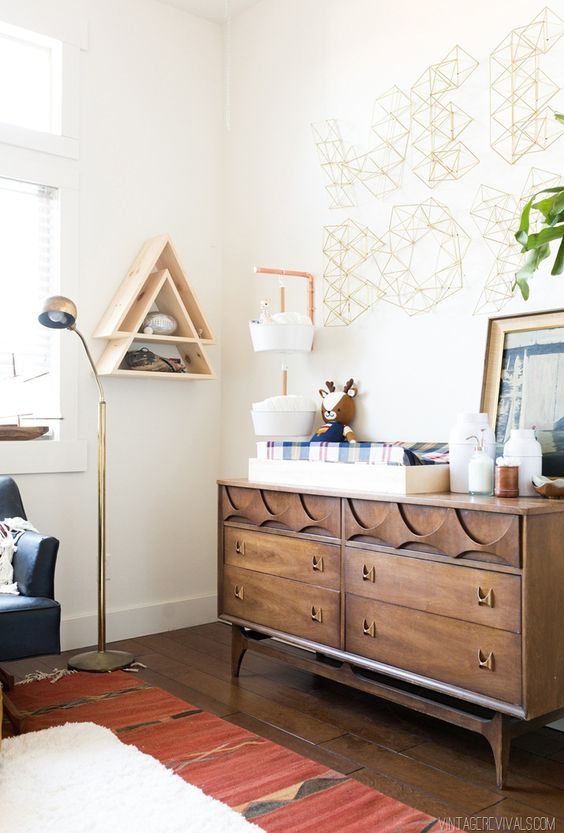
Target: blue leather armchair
{"type": "Point", "coordinates": [30, 622]}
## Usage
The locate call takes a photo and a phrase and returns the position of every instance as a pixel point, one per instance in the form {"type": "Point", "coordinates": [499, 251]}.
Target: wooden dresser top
{"type": "Point", "coordinates": [513, 506]}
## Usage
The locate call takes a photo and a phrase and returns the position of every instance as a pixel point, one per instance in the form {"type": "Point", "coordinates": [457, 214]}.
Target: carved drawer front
{"type": "Point", "coordinates": [278, 555]}
{"type": "Point", "coordinates": [474, 657]}
{"type": "Point", "coordinates": [311, 514]}
{"type": "Point", "coordinates": [458, 533]}
{"type": "Point", "coordinates": [283, 605]}
{"type": "Point", "coordinates": [472, 595]}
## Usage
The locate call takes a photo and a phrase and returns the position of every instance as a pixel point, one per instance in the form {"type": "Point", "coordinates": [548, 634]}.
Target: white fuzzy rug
{"type": "Point", "coordinates": [79, 778]}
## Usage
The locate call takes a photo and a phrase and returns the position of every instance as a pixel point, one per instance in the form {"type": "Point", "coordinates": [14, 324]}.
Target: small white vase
{"type": "Point", "coordinates": [461, 448]}
{"type": "Point", "coordinates": [525, 449]}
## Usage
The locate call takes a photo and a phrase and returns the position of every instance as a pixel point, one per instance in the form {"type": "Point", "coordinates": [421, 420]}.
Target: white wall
{"type": "Point", "coordinates": [294, 63]}
{"type": "Point", "coordinates": [150, 163]}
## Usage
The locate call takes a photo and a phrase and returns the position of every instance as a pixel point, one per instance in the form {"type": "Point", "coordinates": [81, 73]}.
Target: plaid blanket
{"type": "Point", "coordinates": [390, 454]}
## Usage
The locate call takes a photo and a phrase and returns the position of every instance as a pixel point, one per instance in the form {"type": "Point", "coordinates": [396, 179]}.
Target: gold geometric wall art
{"type": "Point", "coordinates": [333, 161]}
{"type": "Point", "coordinates": [496, 214]}
{"type": "Point", "coordinates": [378, 169]}
{"type": "Point", "coordinates": [348, 247]}
{"type": "Point", "coordinates": [521, 121]}
{"type": "Point", "coordinates": [437, 124]}
{"type": "Point", "coordinates": [420, 262]}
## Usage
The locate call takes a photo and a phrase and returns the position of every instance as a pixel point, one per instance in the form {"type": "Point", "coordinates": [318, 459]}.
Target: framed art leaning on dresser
{"type": "Point", "coordinates": [523, 384]}
{"type": "Point", "coordinates": [447, 604]}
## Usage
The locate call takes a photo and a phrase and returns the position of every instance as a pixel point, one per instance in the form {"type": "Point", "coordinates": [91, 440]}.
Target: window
{"type": "Point", "coordinates": [31, 72]}
{"type": "Point", "coordinates": [39, 149]}
{"type": "Point", "coordinates": [29, 272]}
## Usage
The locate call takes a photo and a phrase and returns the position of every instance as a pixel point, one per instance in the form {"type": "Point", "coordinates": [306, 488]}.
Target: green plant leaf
{"type": "Point", "coordinates": [558, 265]}
{"type": "Point", "coordinates": [544, 236]}
{"type": "Point", "coordinates": [559, 117]}
{"type": "Point", "coordinates": [523, 285]}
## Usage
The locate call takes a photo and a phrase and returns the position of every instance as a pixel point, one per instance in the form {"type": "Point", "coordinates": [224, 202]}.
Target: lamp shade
{"type": "Point", "coordinates": [58, 313]}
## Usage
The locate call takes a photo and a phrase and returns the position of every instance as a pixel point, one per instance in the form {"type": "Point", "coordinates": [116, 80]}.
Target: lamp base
{"type": "Point", "coordinates": [100, 661]}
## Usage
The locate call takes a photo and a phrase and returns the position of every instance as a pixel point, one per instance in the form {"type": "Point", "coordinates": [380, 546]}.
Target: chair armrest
{"type": "Point", "coordinates": [34, 565]}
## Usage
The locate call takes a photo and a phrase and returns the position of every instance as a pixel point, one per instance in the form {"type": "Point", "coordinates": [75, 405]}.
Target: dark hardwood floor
{"type": "Point", "coordinates": [438, 768]}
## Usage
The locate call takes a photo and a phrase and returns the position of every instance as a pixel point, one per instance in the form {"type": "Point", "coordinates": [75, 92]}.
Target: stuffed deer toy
{"type": "Point", "coordinates": [337, 411]}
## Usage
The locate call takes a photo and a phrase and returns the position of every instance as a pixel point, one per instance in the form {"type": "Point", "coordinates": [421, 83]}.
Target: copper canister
{"type": "Point", "coordinates": [506, 481]}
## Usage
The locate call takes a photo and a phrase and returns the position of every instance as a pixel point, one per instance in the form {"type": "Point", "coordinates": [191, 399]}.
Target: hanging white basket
{"type": "Point", "coordinates": [281, 338]}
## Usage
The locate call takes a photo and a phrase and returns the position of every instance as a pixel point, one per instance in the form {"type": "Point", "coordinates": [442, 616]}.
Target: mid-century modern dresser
{"type": "Point", "coordinates": [447, 604]}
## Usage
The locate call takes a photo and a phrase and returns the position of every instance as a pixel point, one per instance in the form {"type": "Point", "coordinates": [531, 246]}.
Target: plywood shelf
{"type": "Point", "coordinates": [153, 374]}
{"type": "Point", "coordinates": [155, 281]}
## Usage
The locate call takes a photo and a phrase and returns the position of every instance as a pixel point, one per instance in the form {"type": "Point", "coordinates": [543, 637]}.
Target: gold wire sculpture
{"type": "Point", "coordinates": [379, 169]}
{"type": "Point", "coordinates": [496, 214]}
{"type": "Point", "coordinates": [347, 247]}
{"type": "Point", "coordinates": [419, 235]}
{"type": "Point", "coordinates": [437, 124]}
{"type": "Point", "coordinates": [333, 160]}
{"type": "Point", "coordinates": [521, 121]}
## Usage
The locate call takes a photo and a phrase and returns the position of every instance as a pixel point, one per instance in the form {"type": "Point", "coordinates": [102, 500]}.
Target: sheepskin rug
{"type": "Point", "coordinates": [80, 777]}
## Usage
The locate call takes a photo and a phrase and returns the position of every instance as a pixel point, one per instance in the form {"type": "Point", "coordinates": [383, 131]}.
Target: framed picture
{"type": "Point", "coordinates": [523, 383]}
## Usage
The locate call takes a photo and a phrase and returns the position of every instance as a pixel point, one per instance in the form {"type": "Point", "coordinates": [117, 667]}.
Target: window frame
{"type": "Point", "coordinates": [50, 159]}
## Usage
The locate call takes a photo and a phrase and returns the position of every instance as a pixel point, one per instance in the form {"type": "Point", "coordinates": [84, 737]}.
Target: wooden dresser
{"type": "Point", "coordinates": [447, 604]}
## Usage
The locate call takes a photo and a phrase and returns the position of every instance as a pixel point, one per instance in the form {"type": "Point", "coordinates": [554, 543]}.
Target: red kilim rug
{"type": "Point", "coordinates": [277, 789]}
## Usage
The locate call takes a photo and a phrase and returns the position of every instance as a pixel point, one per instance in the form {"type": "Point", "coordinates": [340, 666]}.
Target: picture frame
{"type": "Point", "coordinates": [523, 382]}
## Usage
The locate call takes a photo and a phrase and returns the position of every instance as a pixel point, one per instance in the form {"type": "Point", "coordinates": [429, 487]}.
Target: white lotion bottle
{"type": "Point", "coordinates": [461, 448]}
{"type": "Point", "coordinates": [523, 446]}
{"type": "Point", "coordinates": [480, 468]}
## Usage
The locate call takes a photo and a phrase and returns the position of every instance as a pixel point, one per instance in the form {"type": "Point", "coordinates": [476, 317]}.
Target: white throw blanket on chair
{"type": "Point", "coordinates": [11, 530]}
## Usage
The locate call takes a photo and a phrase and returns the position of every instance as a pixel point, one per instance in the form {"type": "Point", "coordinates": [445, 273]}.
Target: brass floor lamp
{"type": "Point", "coordinates": [60, 313]}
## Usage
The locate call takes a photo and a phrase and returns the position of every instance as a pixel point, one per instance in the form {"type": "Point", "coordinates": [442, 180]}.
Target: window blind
{"type": "Point", "coordinates": [29, 268]}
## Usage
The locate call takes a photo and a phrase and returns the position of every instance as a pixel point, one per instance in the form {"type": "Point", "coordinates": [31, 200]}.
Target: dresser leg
{"type": "Point", "coordinates": [238, 649]}
{"type": "Point", "coordinates": [500, 742]}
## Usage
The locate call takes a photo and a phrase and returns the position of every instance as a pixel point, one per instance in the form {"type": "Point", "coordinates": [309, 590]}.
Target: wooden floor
{"type": "Point", "coordinates": [440, 769]}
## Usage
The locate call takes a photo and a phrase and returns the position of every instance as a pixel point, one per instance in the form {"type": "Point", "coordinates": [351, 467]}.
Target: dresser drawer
{"type": "Point", "coordinates": [308, 514]}
{"type": "Point", "coordinates": [472, 595]}
{"type": "Point", "coordinates": [474, 657]}
{"type": "Point", "coordinates": [466, 533]}
{"type": "Point", "coordinates": [283, 605]}
{"type": "Point", "coordinates": [278, 555]}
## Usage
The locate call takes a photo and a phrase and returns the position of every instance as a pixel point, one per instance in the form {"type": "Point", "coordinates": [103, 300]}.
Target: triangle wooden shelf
{"type": "Point", "coordinates": [156, 280]}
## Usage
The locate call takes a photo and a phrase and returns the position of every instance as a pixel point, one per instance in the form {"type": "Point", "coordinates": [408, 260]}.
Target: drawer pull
{"type": "Point", "coordinates": [486, 661]}
{"type": "Point", "coordinates": [240, 547]}
{"type": "Point", "coordinates": [316, 613]}
{"type": "Point", "coordinates": [486, 598]}
{"type": "Point", "coordinates": [368, 573]}
{"type": "Point", "coordinates": [369, 629]}
{"type": "Point", "coordinates": [239, 592]}
{"type": "Point", "coordinates": [317, 563]}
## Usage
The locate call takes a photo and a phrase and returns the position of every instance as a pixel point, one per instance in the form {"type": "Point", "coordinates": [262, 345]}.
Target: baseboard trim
{"type": "Point", "coordinates": [126, 623]}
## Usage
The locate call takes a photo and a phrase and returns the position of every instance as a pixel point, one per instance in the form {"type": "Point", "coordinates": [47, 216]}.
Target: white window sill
{"type": "Point", "coordinates": [42, 456]}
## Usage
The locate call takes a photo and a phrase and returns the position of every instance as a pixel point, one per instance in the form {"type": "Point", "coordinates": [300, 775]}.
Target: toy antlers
{"type": "Point", "coordinates": [348, 385]}
{"type": "Point", "coordinates": [331, 386]}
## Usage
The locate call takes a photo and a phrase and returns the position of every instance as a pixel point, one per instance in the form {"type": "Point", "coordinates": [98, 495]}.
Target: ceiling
{"type": "Point", "coordinates": [211, 9]}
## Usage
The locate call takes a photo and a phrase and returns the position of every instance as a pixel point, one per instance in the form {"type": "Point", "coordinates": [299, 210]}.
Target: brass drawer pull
{"type": "Point", "coordinates": [369, 629]}
{"type": "Point", "coordinates": [239, 592]}
{"type": "Point", "coordinates": [317, 563]}
{"type": "Point", "coordinates": [240, 547]}
{"type": "Point", "coordinates": [316, 613]}
{"type": "Point", "coordinates": [368, 573]}
{"type": "Point", "coordinates": [486, 661]}
{"type": "Point", "coordinates": [486, 598]}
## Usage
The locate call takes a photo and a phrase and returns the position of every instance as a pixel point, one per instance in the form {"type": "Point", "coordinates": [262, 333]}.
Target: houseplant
{"type": "Point", "coordinates": [537, 245]}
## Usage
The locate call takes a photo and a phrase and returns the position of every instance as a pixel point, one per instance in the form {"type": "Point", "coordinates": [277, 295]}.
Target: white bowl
{"type": "Point", "coordinates": [283, 423]}
{"type": "Point", "coordinates": [281, 338]}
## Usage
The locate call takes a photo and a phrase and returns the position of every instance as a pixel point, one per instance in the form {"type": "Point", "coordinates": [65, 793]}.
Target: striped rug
{"type": "Point", "coordinates": [277, 789]}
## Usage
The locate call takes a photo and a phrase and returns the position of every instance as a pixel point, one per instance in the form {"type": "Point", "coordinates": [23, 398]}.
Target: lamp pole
{"type": "Point", "coordinates": [60, 313]}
